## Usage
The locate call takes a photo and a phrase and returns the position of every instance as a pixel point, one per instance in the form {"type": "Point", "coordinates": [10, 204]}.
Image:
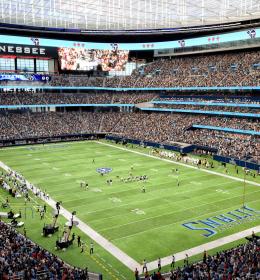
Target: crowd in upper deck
{"type": "Point", "coordinates": [207, 70]}
{"type": "Point", "coordinates": [239, 68]}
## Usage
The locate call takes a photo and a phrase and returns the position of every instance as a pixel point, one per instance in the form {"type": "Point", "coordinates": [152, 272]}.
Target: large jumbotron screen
{"type": "Point", "coordinates": [88, 59]}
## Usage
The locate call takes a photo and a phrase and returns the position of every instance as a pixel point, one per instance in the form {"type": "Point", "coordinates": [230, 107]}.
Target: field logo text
{"type": "Point", "coordinates": [215, 224]}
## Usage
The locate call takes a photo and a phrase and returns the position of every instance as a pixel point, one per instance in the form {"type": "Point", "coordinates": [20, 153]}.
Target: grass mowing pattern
{"type": "Point", "coordinates": [144, 225]}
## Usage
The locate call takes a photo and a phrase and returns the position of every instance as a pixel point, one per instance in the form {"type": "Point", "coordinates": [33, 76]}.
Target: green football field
{"type": "Point", "coordinates": [166, 219]}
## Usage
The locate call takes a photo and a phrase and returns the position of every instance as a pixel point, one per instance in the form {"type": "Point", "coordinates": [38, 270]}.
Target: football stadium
{"type": "Point", "coordinates": [129, 139]}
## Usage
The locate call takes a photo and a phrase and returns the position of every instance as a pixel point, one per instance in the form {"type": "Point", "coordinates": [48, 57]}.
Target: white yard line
{"type": "Point", "coordinates": [180, 163]}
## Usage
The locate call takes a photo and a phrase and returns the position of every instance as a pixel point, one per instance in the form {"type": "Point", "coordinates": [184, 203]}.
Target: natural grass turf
{"type": "Point", "coordinates": [101, 262]}
{"type": "Point", "coordinates": [113, 210]}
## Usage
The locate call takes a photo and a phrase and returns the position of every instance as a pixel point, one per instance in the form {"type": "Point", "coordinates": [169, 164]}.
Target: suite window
{"type": "Point", "coordinates": [25, 65]}
{"type": "Point", "coordinates": [42, 65]}
{"type": "Point", "coordinates": [7, 64]}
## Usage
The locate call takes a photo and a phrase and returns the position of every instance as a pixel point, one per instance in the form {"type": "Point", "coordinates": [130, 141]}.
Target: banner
{"type": "Point", "coordinates": [25, 77]}
{"type": "Point", "coordinates": [247, 34]}
{"type": "Point", "coordinates": [27, 50]}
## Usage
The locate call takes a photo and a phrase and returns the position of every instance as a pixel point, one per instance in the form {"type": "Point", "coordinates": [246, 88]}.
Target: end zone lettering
{"type": "Point", "coordinates": [9, 49]}
{"type": "Point", "coordinates": [210, 226]}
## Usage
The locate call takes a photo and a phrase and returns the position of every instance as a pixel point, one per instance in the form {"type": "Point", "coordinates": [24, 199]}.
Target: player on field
{"type": "Point", "coordinates": [173, 261]}
{"type": "Point", "coordinates": [159, 264]}
{"type": "Point", "coordinates": [175, 170]}
{"type": "Point", "coordinates": [83, 247]}
{"type": "Point", "coordinates": [136, 274]}
{"type": "Point", "coordinates": [91, 251]}
{"type": "Point", "coordinates": [144, 265]}
{"type": "Point", "coordinates": [79, 241]}
{"type": "Point", "coordinates": [186, 260]}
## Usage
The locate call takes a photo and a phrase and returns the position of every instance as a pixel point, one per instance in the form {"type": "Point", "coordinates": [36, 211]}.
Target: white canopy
{"type": "Point", "coordinates": [126, 14]}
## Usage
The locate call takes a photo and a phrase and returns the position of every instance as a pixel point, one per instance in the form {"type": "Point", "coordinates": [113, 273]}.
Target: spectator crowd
{"type": "Point", "coordinates": [215, 69]}
{"type": "Point", "coordinates": [163, 128]}
{"type": "Point", "coordinates": [207, 70]}
{"type": "Point", "coordinates": [200, 70]}
{"type": "Point", "coordinates": [44, 98]}
{"type": "Point", "coordinates": [20, 258]}
{"type": "Point", "coordinates": [242, 262]}
{"type": "Point", "coordinates": [220, 108]}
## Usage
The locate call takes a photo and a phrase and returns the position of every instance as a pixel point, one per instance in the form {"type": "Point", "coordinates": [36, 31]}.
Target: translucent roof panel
{"type": "Point", "coordinates": [126, 14]}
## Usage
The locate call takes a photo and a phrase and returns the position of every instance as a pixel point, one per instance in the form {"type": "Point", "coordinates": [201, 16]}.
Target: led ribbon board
{"type": "Point", "coordinates": [249, 34]}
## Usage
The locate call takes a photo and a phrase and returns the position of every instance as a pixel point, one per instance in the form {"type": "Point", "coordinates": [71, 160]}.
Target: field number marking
{"type": "Point", "coordinates": [115, 199]}
{"type": "Point", "coordinates": [222, 191]}
{"type": "Point", "coordinates": [96, 190]}
{"type": "Point", "coordinates": [138, 211]}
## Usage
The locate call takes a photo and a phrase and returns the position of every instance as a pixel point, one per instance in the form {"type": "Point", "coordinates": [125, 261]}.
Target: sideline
{"type": "Point", "coordinates": [206, 246]}
{"type": "Point", "coordinates": [107, 245]}
{"type": "Point", "coordinates": [180, 163]}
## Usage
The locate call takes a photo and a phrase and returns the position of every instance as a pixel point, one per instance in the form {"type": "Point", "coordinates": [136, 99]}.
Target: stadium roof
{"type": "Point", "coordinates": [126, 14]}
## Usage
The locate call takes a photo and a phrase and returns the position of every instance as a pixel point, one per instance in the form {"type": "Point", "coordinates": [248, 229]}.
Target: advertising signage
{"type": "Point", "coordinates": [25, 77]}
{"type": "Point", "coordinates": [247, 34]}
{"type": "Point", "coordinates": [27, 50]}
